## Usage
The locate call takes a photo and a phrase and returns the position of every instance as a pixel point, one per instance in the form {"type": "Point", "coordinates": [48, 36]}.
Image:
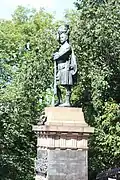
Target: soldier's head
{"type": "Point", "coordinates": [63, 33]}
{"type": "Point", "coordinates": [63, 38]}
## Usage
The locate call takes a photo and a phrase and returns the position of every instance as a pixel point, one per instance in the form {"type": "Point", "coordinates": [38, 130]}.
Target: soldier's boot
{"type": "Point", "coordinates": [67, 100]}
{"type": "Point", "coordinates": [58, 103]}
{"type": "Point", "coordinates": [59, 97]}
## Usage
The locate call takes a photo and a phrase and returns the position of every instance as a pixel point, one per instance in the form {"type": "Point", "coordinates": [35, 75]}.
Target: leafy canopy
{"type": "Point", "coordinates": [25, 85]}
{"type": "Point", "coordinates": [96, 39]}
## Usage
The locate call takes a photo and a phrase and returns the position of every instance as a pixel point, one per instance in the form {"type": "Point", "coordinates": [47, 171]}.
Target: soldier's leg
{"type": "Point", "coordinates": [59, 96]}
{"type": "Point", "coordinates": [68, 95]}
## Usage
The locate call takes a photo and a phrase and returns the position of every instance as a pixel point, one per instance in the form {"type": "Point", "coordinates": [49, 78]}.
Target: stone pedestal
{"type": "Point", "coordinates": [62, 151]}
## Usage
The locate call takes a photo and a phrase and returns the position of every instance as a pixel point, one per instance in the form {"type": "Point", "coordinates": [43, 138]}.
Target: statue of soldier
{"type": "Point", "coordinates": [65, 66]}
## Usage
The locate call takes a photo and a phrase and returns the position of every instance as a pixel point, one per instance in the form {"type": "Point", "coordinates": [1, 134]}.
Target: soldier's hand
{"type": "Point", "coordinates": [56, 56]}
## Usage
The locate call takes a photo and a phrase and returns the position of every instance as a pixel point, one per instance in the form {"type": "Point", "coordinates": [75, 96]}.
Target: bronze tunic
{"type": "Point", "coordinates": [64, 75]}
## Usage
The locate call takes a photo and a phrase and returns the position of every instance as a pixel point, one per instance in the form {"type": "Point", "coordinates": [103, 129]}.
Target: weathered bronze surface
{"type": "Point", "coordinates": [65, 66]}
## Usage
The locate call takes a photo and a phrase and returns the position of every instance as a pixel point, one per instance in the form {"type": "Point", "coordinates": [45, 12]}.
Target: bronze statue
{"type": "Point", "coordinates": [65, 66]}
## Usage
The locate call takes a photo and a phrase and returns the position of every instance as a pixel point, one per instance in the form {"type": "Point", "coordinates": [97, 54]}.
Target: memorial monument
{"type": "Point", "coordinates": [62, 136]}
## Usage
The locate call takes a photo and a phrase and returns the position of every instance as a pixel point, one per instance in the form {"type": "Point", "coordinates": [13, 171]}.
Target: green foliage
{"type": "Point", "coordinates": [25, 87]}
{"type": "Point", "coordinates": [96, 39]}
{"type": "Point", "coordinates": [104, 145]}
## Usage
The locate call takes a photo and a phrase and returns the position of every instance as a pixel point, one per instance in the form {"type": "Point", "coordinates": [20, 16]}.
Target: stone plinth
{"type": "Point", "coordinates": [62, 145]}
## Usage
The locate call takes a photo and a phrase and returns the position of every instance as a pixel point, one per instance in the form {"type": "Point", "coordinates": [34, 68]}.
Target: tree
{"type": "Point", "coordinates": [96, 39]}
{"type": "Point", "coordinates": [83, 3]}
{"type": "Point", "coordinates": [24, 95]}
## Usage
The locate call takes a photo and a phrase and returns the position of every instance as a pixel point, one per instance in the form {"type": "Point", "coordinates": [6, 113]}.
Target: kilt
{"type": "Point", "coordinates": [64, 75]}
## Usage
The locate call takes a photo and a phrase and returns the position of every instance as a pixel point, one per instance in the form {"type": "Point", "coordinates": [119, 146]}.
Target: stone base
{"type": "Point", "coordinates": [62, 116]}
{"type": "Point", "coordinates": [62, 145]}
{"type": "Point", "coordinates": [67, 165]}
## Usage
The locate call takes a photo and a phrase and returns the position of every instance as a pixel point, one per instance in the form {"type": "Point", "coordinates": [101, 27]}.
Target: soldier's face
{"type": "Point", "coordinates": [63, 38]}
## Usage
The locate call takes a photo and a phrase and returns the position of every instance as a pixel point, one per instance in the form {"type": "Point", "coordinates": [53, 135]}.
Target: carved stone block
{"type": "Point", "coordinates": [41, 163]}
